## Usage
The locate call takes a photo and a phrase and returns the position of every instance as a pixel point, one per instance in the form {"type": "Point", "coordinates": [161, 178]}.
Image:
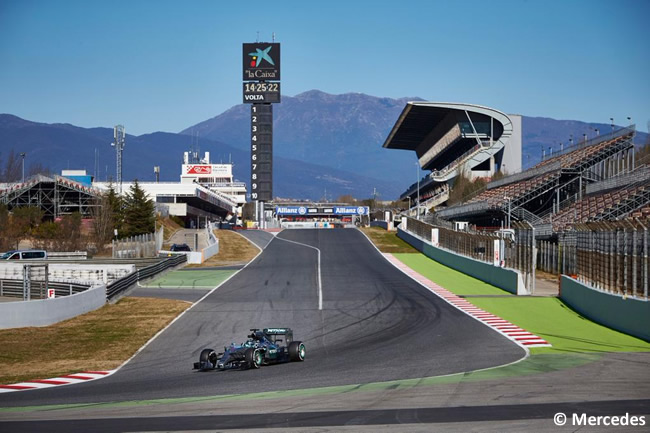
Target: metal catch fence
{"type": "Point", "coordinates": [516, 247]}
{"type": "Point", "coordinates": [611, 256]}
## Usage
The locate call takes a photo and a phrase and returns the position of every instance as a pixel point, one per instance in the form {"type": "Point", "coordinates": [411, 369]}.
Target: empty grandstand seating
{"type": "Point", "coordinates": [516, 192]}
{"type": "Point", "coordinates": [633, 200]}
{"type": "Point", "coordinates": [551, 174]}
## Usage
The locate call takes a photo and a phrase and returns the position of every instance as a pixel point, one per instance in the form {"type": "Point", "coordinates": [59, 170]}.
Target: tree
{"type": "Point", "coordinates": [103, 221]}
{"type": "Point", "coordinates": [642, 156]}
{"type": "Point", "coordinates": [4, 223]}
{"type": "Point", "coordinates": [70, 233]}
{"type": "Point", "coordinates": [46, 235]}
{"type": "Point", "coordinates": [64, 235]}
{"type": "Point", "coordinates": [38, 168]}
{"type": "Point", "coordinates": [13, 168]}
{"type": "Point", "coordinates": [464, 187]}
{"type": "Point", "coordinates": [116, 205]}
{"type": "Point", "coordinates": [21, 223]}
{"type": "Point", "coordinates": [347, 199]}
{"type": "Point", "coordinates": [139, 217]}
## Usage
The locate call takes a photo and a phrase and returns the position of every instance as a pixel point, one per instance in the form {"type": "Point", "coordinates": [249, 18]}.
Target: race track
{"type": "Point", "coordinates": [376, 325]}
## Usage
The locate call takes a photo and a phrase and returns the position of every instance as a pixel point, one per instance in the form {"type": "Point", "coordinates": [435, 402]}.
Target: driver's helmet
{"type": "Point", "coordinates": [250, 343]}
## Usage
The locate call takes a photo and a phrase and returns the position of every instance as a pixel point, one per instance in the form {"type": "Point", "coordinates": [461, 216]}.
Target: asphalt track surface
{"type": "Point", "coordinates": [376, 325]}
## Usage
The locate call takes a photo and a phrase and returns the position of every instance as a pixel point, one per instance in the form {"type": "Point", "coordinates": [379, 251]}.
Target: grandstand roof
{"type": "Point", "coordinates": [419, 119]}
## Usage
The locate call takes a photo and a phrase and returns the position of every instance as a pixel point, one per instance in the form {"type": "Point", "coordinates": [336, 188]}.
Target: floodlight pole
{"type": "Point", "coordinates": [23, 156]}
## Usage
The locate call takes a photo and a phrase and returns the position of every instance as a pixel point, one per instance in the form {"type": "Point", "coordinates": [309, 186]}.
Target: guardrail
{"type": "Point", "coordinates": [14, 288]}
{"type": "Point", "coordinates": [118, 286]}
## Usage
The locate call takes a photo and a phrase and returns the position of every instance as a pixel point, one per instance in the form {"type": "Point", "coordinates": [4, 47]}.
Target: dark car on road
{"type": "Point", "coordinates": [263, 347]}
{"type": "Point", "coordinates": [180, 247]}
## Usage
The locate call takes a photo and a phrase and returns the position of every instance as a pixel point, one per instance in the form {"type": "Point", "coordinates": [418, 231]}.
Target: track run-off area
{"type": "Point", "coordinates": [372, 334]}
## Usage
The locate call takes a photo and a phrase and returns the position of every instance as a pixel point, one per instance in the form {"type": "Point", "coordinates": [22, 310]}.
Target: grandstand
{"type": "Point", "coordinates": [546, 194]}
{"type": "Point", "coordinates": [609, 201]}
{"type": "Point", "coordinates": [55, 195]}
{"type": "Point", "coordinates": [450, 138]}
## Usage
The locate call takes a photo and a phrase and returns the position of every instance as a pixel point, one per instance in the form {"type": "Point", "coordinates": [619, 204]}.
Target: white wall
{"type": "Point", "coordinates": [512, 152]}
{"type": "Point", "coordinates": [46, 312]}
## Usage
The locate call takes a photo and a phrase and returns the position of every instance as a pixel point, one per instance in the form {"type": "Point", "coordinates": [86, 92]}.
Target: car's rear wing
{"type": "Point", "coordinates": [277, 331]}
{"type": "Point", "coordinates": [274, 332]}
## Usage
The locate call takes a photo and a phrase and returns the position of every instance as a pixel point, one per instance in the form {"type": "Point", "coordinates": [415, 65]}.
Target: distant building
{"type": "Point", "coordinates": [206, 192]}
{"type": "Point", "coordinates": [78, 176]}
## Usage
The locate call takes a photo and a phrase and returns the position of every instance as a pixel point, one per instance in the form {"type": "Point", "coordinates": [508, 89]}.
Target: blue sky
{"type": "Point", "coordinates": [166, 65]}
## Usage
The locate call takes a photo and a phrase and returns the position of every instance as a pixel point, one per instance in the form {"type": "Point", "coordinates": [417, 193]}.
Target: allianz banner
{"type": "Point", "coordinates": [320, 211]}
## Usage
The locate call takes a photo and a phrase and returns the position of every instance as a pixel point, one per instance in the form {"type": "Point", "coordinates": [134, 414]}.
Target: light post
{"type": "Point", "coordinates": [611, 119]}
{"type": "Point", "coordinates": [23, 156]}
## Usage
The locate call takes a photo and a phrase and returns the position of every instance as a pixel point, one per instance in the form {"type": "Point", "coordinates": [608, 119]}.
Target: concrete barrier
{"type": "Point", "coordinates": [506, 279]}
{"type": "Point", "coordinates": [631, 315]}
{"type": "Point", "coordinates": [46, 312]}
{"type": "Point", "coordinates": [383, 224]}
{"type": "Point", "coordinates": [210, 251]}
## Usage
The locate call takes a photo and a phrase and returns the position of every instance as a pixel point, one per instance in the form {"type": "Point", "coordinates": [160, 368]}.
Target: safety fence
{"type": "Point", "coordinates": [513, 248]}
{"type": "Point", "coordinates": [12, 288]}
{"type": "Point", "coordinates": [611, 256]}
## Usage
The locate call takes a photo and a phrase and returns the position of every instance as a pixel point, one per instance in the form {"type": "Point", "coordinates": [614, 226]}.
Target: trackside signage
{"type": "Point", "coordinates": [335, 210]}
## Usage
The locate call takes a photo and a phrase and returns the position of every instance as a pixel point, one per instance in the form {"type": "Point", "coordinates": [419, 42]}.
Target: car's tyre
{"type": "Point", "coordinates": [208, 355]}
{"type": "Point", "coordinates": [253, 357]}
{"type": "Point", "coordinates": [296, 351]}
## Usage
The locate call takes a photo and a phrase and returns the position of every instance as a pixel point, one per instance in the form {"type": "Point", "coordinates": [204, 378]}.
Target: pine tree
{"type": "Point", "coordinates": [139, 217]}
{"type": "Point", "coordinates": [115, 203]}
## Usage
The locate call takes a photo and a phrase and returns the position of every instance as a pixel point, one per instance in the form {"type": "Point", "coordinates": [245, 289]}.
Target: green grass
{"type": "Point", "coordinates": [547, 317]}
{"type": "Point", "coordinates": [386, 241]}
{"type": "Point", "coordinates": [565, 329]}
{"type": "Point", "coordinates": [450, 279]}
{"type": "Point", "coordinates": [191, 279]}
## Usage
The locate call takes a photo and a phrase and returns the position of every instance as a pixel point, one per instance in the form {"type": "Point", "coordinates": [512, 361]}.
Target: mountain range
{"type": "Point", "coordinates": [325, 145]}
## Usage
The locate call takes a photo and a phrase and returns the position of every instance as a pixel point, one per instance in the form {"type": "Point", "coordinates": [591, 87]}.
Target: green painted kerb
{"type": "Point", "coordinates": [630, 315]}
{"type": "Point", "coordinates": [199, 279]}
{"type": "Point", "coordinates": [505, 279]}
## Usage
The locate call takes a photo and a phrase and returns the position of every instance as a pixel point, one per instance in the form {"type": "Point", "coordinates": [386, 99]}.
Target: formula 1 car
{"type": "Point", "coordinates": [263, 347]}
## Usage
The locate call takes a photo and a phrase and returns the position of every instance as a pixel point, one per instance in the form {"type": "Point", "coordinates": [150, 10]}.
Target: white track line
{"type": "Point", "coordinates": [320, 282]}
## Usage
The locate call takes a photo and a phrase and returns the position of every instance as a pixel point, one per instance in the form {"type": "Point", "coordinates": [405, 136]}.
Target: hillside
{"type": "Point", "coordinates": [323, 145]}
{"type": "Point", "coordinates": [63, 146]}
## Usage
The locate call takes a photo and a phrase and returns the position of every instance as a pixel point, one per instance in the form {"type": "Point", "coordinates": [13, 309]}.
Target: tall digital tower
{"type": "Point", "coordinates": [261, 88]}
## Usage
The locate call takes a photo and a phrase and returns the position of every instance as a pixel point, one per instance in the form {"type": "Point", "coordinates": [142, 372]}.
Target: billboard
{"type": "Point", "coordinates": [218, 170]}
{"type": "Point", "coordinates": [261, 61]}
{"type": "Point", "coordinates": [333, 210]}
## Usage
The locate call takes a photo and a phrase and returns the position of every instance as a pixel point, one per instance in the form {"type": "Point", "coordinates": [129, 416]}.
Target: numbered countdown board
{"type": "Point", "coordinates": [261, 152]}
